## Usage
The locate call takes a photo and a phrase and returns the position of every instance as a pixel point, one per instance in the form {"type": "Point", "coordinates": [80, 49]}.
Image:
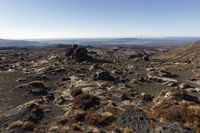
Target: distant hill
{"type": "Point", "coordinates": [147, 42]}
{"type": "Point", "coordinates": [19, 43]}
{"type": "Point", "coordinates": [171, 41]}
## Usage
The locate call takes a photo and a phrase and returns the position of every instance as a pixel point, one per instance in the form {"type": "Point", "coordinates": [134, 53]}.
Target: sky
{"type": "Point", "coordinates": [31, 19]}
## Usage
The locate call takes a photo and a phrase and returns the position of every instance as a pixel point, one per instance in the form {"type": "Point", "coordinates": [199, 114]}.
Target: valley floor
{"type": "Point", "coordinates": [96, 90]}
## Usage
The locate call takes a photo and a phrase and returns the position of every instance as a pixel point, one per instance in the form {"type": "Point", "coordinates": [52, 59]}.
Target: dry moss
{"type": "Point", "coordinates": [187, 114]}
{"type": "Point", "coordinates": [99, 120]}
{"type": "Point", "coordinates": [86, 101]}
{"type": "Point", "coordinates": [15, 124]}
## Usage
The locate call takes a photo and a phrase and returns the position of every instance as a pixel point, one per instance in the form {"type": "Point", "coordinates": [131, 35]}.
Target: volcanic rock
{"type": "Point", "coordinates": [144, 97]}
{"type": "Point", "coordinates": [38, 88]}
{"type": "Point", "coordinates": [145, 58]}
{"type": "Point", "coordinates": [36, 114]}
{"type": "Point", "coordinates": [163, 73]}
{"type": "Point", "coordinates": [70, 51]}
{"type": "Point", "coordinates": [93, 67]}
{"type": "Point", "coordinates": [99, 89]}
{"type": "Point", "coordinates": [61, 100]}
{"type": "Point", "coordinates": [134, 119]}
{"type": "Point", "coordinates": [76, 92]}
{"type": "Point", "coordinates": [80, 54]}
{"type": "Point", "coordinates": [104, 75]}
{"type": "Point", "coordinates": [77, 53]}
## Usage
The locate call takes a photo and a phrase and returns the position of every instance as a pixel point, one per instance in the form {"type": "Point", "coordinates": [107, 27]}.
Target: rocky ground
{"type": "Point", "coordinates": [100, 90]}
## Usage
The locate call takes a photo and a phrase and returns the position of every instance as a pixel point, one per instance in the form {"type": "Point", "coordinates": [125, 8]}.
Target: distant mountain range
{"type": "Point", "coordinates": [151, 42]}
{"type": "Point", "coordinates": [167, 41]}
{"type": "Point", "coordinates": [154, 41]}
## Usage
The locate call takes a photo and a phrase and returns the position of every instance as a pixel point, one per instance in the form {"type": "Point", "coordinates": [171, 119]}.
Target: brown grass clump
{"type": "Point", "coordinates": [26, 125]}
{"type": "Point", "coordinates": [79, 117]}
{"type": "Point", "coordinates": [187, 114]}
{"type": "Point", "coordinates": [113, 128]}
{"type": "Point", "coordinates": [29, 126]}
{"type": "Point", "coordinates": [99, 120]}
{"type": "Point", "coordinates": [63, 121]}
{"type": "Point", "coordinates": [113, 110]}
{"type": "Point", "coordinates": [86, 101]}
{"type": "Point", "coordinates": [15, 124]}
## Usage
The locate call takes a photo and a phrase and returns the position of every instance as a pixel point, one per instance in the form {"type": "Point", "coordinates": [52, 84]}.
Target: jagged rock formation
{"type": "Point", "coordinates": [79, 54]}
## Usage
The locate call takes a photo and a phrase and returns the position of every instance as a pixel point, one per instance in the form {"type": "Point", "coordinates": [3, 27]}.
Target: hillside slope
{"type": "Point", "coordinates": [185, 54]}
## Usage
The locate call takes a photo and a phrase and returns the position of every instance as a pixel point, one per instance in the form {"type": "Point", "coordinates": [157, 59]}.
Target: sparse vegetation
{"type": "Point", "coordinates": [53, 90]}
{"type": "Point", "coordinates": [86, 101]}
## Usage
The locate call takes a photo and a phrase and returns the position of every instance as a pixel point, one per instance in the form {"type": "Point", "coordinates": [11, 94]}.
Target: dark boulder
{"type": "Point", "coordinates": [104, 75]}
{"type": "Point", "coordinates": [135, 55]}
{"type": "Point", "coordinates": [80, 54]}
{"type": "Point", "coordinates": [191, 98]}
{"type": "Point", "coordinates": [36, 115]}
{"type": "Point", "coordinates": [70, 51]}
{"type": "Point", "coordinates": [164, 73]}
{"type": "Point", "coordinates": [38, 88]}
{"type": "Point", "coordinates": [77, 53]}
{"type": "Point", "coordinates": [37, 84]}
{"type": "Point", "coordinates": [145, 57]}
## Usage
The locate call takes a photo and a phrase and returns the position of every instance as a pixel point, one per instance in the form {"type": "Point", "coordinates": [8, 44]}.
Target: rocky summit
{"type": "Point", "coordinates": [79, 89]}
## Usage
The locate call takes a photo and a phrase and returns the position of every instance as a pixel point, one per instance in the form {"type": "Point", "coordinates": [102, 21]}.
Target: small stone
{"type": "Point", "coordinates": [125, 96]}
{"type": "Point", "coordinates": [184, 86]}
{"type": "Point", "coordinates": [93, 67]}
{"type": "Point", "coordinates": [164, 73]}
{"type": "Point", "coordinates": [76, 127]}
{"type": "Point", "coordinates": [144, 97]}
{"type": "Point", "coordinates": [61, 100]}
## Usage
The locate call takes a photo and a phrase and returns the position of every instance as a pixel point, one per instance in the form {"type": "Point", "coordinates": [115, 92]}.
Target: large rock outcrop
{"type": "Point", "coordinates": [78, 53]}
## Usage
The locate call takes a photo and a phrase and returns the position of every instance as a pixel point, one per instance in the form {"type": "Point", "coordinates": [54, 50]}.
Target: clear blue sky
{"type": "Point", "coordinates": [98, 18]}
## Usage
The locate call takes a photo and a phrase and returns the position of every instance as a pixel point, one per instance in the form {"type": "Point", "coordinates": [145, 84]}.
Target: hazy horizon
{"type": "Point", "coordinates": [74, 38]}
